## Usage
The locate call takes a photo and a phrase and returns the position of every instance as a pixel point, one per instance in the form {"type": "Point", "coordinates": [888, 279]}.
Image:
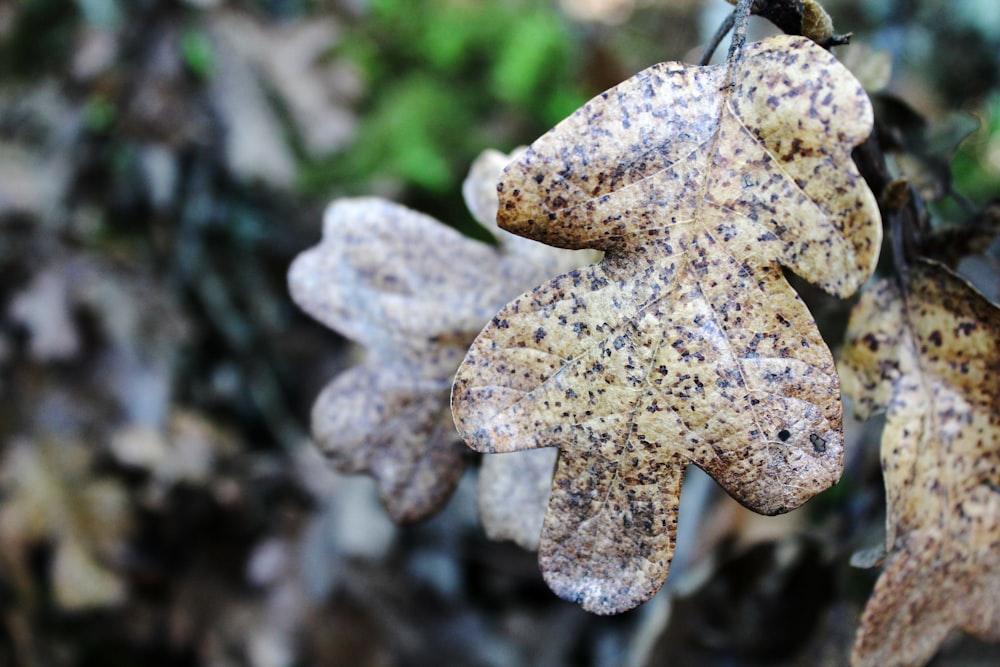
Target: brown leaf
{"type": "Point", "coordinates": [800, 17]}
{"type": "Point", "coordinates": [372, 418]}
{"type": "Point", "coordinates": [50, 495]}
{"type": "Point", "coordinates": [685, 344]}
{"type": "Point", "coordinates": [927, 353]}
{"type": "Point", "coordinates": [415, 293]}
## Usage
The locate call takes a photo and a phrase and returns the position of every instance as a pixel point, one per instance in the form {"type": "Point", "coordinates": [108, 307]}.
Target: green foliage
{"type": "Point", "coordinates": [99, 113]}
{"type": "Point", "coordinates": [196, 51]}
{"type": "Point", "coordinates": [976, 165]}
{"type": "Point", "coordinates": [447, 82]}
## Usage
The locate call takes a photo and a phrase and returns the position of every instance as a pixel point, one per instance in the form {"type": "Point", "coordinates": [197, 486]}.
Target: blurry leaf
{"type": "Point", "coordinates": [415, 293]}
{"type": "Point", "coordinates": [45, 310]}
{"type": "Point", "coordinates": [873, 69]}
{"type": "Point", "coordinates": [685, 344]}
{"type": "Point", "coordinates": [255, 144]}
{"type": "Point", "coordinates": [972, 250]}
{"type": "Point", "coordinates": [926, 351]}
{"type": "Point", "coordinates": [30, 180]}
{"type": "Point", "coordinates": [374, 418]}
{"type": "Point", "coordinates": [80, 582]}
{"type": "Point", "coordinates": [513, 494]}
{"type": "Point", "coordinates": [288, 60]}
{"type": "Point", "coordinates": [51, 496]}
{"type": "Point", "coordinates": [187, 450]}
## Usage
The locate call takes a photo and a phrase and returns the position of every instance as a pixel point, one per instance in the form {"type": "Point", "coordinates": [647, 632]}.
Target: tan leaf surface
{"type": "Point", "coordinates": [928, 354]}
{"type": "Point", "coordinates": [513, 491]}
{"type": "Point", "coordinates": [685, 344]}
{"type": "Point", "coordinates": [415, 293]}
{"type": "Point", "coordinates": [51, 496]}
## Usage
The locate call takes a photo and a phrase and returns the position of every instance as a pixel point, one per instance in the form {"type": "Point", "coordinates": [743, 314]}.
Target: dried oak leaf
{"type": "Point", "coordinates": [410, 290]}
{"type": "Point", "coordinates": [927, 353]}
{"type": "Point", "coordinates": [415, 293]}
{"type": "Point", "coordinates": [52, 495]}
{"type": "Point", "coordinates": [513, 491]}
{"type": "Point", "coordinates": [685, 344]}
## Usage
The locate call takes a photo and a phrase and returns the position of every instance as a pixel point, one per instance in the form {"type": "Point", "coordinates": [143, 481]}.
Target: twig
{"type": "Point", "coordinates": [717, 38]}
{"type": "Point", "coordinates": [740, 19]}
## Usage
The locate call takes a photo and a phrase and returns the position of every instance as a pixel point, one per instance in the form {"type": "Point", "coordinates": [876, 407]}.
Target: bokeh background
{"type": "Point", "coordinates": [163, 161]}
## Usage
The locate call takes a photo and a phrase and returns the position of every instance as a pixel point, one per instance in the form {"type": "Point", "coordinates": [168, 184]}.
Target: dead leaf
{"type": "Point", "coordinates": [513, 491]}
{"type": "Point", "coordinates": [927, 353]}
{"type": "Point", "coordinates": [480, 193]}
{"type": "Point", "coordinates": [804, 17]}
{"type": "Point", "coordinates": [394, 281]}
{"type": "Point", "coordinates": [289, 59]}
{"type": "Point", "coordinates": [513, 494]}
{"type": "Point", "coordinates": [415, 293]}
{"type": "Point", "coordinates": [685, 344]}
{"type": "Point", "coordinates": [51, 496]}
{"type": "Point", "coordinates": [256, 148]}
{"type": "Point", "coordinates": [377, 418]}
{"type": "Point", "coordinates": [184, 450]}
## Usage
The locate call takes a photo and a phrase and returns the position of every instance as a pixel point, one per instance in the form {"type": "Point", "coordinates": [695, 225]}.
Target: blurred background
{"type": "Point", "coordinates": [162, 162]}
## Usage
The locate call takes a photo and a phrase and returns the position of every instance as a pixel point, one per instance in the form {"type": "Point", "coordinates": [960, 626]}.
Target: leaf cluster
{"type": "Point", "coordinates": [685, 344]}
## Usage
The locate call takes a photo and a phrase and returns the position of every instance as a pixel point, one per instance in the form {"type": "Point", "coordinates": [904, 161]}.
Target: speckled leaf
{"type": "Point", "coordinates": [414, 293]}
{"type": "Point", "coordinates": [685, 344]}
{"type": "Point", "coordinates": [375, 418]}
{"type": "Point", "coordinates": [513, 491]}
{"type": "Point", "coordinates": [395, 281]}
{"type": "Point", "coordinates": [929, 355]}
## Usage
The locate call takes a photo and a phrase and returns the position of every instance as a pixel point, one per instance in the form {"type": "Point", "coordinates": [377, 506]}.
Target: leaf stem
{"type": "Point", "coordinates": [740, 19]}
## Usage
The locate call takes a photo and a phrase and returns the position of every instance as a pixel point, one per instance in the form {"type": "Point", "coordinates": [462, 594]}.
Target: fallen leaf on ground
{"type": "Point", "coordinates": [291, 59]}
{"type": "Point", "coordinates": [186, 449]}
{"type": "Point", "coordinates": [685, 344]}
{"type": "Point", "coordinates": [927, 353]}
{"type": "Point", "coordinates": [51, 496]}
